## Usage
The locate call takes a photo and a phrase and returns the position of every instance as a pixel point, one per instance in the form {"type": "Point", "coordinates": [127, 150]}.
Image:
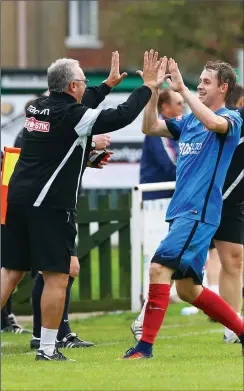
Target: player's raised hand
{"type": "Point", "coordinates": [115, 77]}
{"type": "Point", "coordinates": [162, 72]}
{"type": "Point", "coordinates": [175, 81]}
{"type": "Point", "coordinates": [151, 68]}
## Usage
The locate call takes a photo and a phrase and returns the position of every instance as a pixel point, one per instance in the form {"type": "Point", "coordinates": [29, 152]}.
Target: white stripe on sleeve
{"type": "Point", "coordinates": [84, 126]}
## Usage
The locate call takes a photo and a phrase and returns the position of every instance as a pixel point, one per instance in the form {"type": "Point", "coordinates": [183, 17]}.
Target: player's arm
{"type": "Point", "coordinates": [151, 125]}
{"type": "Point", "coordinates": [89, 122]}
{"type": "Point", "coordinates": [93, 96]}
{"type": "Point", "coordinates": [211, 121]}
{"type": "Point", "coordinates": [112, 119]}
{"type": "Point", "coordinates": [97, 121]}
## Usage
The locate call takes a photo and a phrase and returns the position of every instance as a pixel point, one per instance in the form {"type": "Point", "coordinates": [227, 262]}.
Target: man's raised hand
{"type": "Point", "coordinates": [115, 77]}
{"type": "Point", "coordinates": [153, 72]}
{"type": "Point", "coordinates": [162, 72]}
{"type": "Point", "coordinates": [176, 82]}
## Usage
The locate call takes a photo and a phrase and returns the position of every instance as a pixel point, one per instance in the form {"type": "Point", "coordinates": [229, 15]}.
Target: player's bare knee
{"type": "Point", "coordinates": [13, 276]}
{"type": "Point", "coordinates": [55, 280]}
{"type": "Point", "coordinates": [237, 263]}
{"type": "Point", "coordinates": [74, 267]}
{"type": "Point", "coordinates": [160, 274]}
{"type": "Point", "coordinates": [155, 270]}
{"type": "Point", "coordinates": [233, 264]}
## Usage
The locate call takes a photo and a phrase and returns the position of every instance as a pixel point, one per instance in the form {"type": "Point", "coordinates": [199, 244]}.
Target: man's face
{"type": "Point", "coordinates": [208, 89]}
{"type": "Point", "coordinates": [78, 85]}
{"type": "Point", "coordinates": [175, 107]}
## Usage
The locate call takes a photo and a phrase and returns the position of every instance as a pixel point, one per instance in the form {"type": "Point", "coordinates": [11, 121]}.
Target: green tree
{"type": "Point", "coordinates": [190, 31]}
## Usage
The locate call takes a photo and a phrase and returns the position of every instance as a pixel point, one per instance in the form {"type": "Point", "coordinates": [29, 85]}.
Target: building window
{"type": "Point", "coordinates": [83, 24]}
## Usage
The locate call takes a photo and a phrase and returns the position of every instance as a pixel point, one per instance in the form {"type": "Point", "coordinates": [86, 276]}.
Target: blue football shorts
{"type": "Point", "coordinates": [185, 248]}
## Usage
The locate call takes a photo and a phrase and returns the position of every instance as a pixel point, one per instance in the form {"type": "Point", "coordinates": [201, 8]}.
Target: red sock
{"type": "Point", "coordinates": [158, 301]}
{"type": "Point", "coordinates": [215, 307]}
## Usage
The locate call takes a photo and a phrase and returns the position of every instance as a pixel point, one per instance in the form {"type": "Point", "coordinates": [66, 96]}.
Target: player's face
{"type": "Point", "coordinates": [208, 89]}
{"type": "Point", "coordinates": [176, 105]}
{"type": "Point", "coordinates": [78, 85]}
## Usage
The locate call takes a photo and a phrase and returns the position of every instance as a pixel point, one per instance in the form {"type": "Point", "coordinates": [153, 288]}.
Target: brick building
{"type": "Point", "coordinates": [34, 33]}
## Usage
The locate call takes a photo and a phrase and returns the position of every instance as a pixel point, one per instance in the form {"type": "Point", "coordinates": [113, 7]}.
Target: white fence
{"type": "Point", "coordinates": [139, 237]}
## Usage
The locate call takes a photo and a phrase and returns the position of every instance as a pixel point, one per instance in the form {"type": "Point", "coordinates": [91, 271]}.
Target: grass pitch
{"type": "Point", "coordinates": [189, 354]}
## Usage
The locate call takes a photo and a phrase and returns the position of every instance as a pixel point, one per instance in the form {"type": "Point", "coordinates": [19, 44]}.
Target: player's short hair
{"type": "Point", "coordinates": [236, 94]}
{"type": "Point", "coordinates": [225, 74]}
{"type": "Point", "coordinates": [164, 97]}
{"type": "Point", "coordinates": [61, 73]}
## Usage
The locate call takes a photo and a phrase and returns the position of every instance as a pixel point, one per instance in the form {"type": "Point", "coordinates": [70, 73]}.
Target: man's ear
{"type": "Point", "coordinates": [224, 87]}
{"type": "Point", "coordinates": [72, 86]}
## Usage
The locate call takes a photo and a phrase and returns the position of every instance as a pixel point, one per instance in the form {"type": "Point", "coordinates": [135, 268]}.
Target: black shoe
{"type": "Point", "coordinates": [241, 338]}
{"type": "Point", "coordinates": [134, 354]}
{"type": "Point", "coordinates": [16, 328]}
{"type": "Point", "coordinates": [56, 356]}
{"type": "Point", "coordinates": [35, 343]}
{"type": "Point", "coordinates": [72, 341]}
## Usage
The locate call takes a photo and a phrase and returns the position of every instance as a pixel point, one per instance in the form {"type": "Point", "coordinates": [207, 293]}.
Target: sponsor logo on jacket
{"type": "Point", "coordinates": [32, 124]}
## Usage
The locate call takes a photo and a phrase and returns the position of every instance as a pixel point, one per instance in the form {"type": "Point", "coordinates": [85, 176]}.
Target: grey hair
{"type": "Point", "coordinates": [61, 73]}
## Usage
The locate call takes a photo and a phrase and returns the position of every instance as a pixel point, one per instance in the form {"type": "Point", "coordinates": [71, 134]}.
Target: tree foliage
{"type": "Point", "coordinates": [190, 31]}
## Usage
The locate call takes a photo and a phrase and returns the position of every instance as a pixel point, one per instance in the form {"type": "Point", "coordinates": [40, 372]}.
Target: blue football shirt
{"type": "Point", "coordinates": [203, 161]}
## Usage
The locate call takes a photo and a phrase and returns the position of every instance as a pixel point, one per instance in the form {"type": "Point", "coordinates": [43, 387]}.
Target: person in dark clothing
{"type": "Point", "coordinates": [42, 194]}
{"type": "Point", "coordinates": [159, 155]}
{"type": "Point", "coordinates": [229, 237]}
{"type": "Point", "coordinates": [8, 319]}
{"type": "Point", "coordinates": [9, 322]}
{"type": "Point", "coordinates": [65, 337]}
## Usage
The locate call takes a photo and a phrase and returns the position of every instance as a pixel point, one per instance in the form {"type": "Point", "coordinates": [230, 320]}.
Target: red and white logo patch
{"type": "Point", "coordinates": [39, 126]}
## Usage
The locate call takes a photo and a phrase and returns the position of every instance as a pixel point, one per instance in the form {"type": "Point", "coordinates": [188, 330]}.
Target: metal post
{"type": "Point", "coordinates": [136, 250]}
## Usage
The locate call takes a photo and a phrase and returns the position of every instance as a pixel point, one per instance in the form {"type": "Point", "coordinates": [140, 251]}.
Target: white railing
{"type": "Point", "coordinates": [136, 237]}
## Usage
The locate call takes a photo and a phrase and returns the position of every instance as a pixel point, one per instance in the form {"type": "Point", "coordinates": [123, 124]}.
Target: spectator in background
{"type": "Point", "coordinates": [229, 238]}
{"type": "Point", "coordinates": [158, 161]}
{"type": "Point", "coordinates": [18, 141]}
{"type": "Point", "coordinates": [8, 320]}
